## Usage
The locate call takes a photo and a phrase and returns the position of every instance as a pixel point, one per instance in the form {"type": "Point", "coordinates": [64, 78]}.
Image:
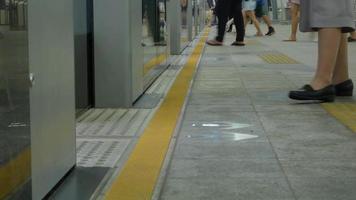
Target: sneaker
{"type": "Point", "coordinates": [271, 31]}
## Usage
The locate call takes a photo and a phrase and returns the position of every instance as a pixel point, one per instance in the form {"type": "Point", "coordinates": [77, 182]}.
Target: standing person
{"type": "Point", "coordinates": [332, 20]}
{"type": "Point", "coordinates": [223, 8]}
{"type": "Point", "coordinates": [294, 12]}
{"type": "Point", "coordinates": [261, 11]}
{"type": "Point", "coordinates": [249, 13]}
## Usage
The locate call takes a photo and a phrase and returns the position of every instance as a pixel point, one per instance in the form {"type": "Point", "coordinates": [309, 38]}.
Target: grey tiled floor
{"type": "Point", "coordinates": [241, 138]}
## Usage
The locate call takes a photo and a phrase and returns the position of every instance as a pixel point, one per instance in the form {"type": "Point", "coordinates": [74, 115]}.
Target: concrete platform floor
{"type": "Point", "coordinates": [241, 138]}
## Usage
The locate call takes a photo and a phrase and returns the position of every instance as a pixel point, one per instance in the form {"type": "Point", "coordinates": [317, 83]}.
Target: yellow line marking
{"type": "Point", "coordinates": [343, 112]}
{"type": "Point", "coordinates": [14, 173]}
{"type": "Point", "coordinates": [277, 58]}
{"type": "Point", "coordinates": [140, 173]}
{"type": "Point", "coordinates": [154, 62]}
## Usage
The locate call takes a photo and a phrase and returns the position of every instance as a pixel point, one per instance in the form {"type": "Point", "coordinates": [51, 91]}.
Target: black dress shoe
{"type": "Point", "coordinates": [238, 44]}
{"type": "Point", "coordinates": [344, 89]}
{"type": "Point", "coordinates": [326, 94]}
{"type": "Point", "coordinates": [350, 39]}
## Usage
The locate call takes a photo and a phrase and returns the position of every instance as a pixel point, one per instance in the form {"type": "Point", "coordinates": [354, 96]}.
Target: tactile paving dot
{"type": "Point", "coordinates": [111, 122]}
{"type": "Point", "coordinates": [277, 58]}
{"type": "Point", "coordinates": [100, 152]}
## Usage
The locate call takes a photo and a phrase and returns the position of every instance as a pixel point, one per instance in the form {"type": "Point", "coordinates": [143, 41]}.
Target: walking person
{"type": "Point", "coordinates": [294, 12]}
{"type": "Point", "coordinates": [261, 11]}
{"type": "Point", "coordinates": [223, 9]}
{"type": "Point", "coordinates": [332, 20]}
{"type": "Point", "coordinates": [249, 7]}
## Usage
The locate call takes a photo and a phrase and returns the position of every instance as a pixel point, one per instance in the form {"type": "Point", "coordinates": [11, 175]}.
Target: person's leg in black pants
{"type": "Point", "coordinates": [223, 9]}
{"type": "Point", "coordinates": [239, 23]}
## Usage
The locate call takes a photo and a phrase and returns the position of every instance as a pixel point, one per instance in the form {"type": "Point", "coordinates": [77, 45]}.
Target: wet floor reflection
{"type": "Point", "coordinates": [196, 16]}
{"type": "Point", "coordinates": [221, 125]}
{"type": "Point", "coordinates": [184, 25]}
{"type": "Point", "coordinates": [220, 131]}
{"type": "Point", "coordinates": [14, 101]}
{"type": "Point", "coordinates": [223, 136]}
{"type": "Point", "coordinates": [154, 36]}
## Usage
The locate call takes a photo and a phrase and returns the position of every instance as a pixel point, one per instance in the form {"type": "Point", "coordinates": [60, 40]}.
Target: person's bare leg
{"type": "Point", "coordinates": [328, 48]}
{"type": "Point", "coordinates": [244, 13]}
{"type": "Point", "coordinates": [256, 23]}
{"type": "Point", "coordinates": [294, 22]}
{"type": "Point", "coordinates": [267, 20]}
{"type": "Point", "coordinates": [341, 69]}
{"type": "Point", "coordinates": [269, 24]}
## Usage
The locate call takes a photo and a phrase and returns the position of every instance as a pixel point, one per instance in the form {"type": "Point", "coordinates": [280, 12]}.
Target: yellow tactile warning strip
{"type": "Point", "coordinates": [154, 62]}
{"type": "Point", "coordinates": [344, 112]}
{"type": "Point", "coordinates": [14, 173]}
{"type": "Point", "coordinates": [277, 58]}
{"type": "Point", "coordinates": [138, 177]}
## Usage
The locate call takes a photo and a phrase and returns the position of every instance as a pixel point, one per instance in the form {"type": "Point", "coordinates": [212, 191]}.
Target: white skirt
{"type": "Point", "coordinates": [315, 14]}
{"type": "Point", "coordinates": [249, 5]}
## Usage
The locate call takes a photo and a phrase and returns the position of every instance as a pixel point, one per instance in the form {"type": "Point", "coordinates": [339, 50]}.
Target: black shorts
{"type": "Point", "coordinates": [261, 10]}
